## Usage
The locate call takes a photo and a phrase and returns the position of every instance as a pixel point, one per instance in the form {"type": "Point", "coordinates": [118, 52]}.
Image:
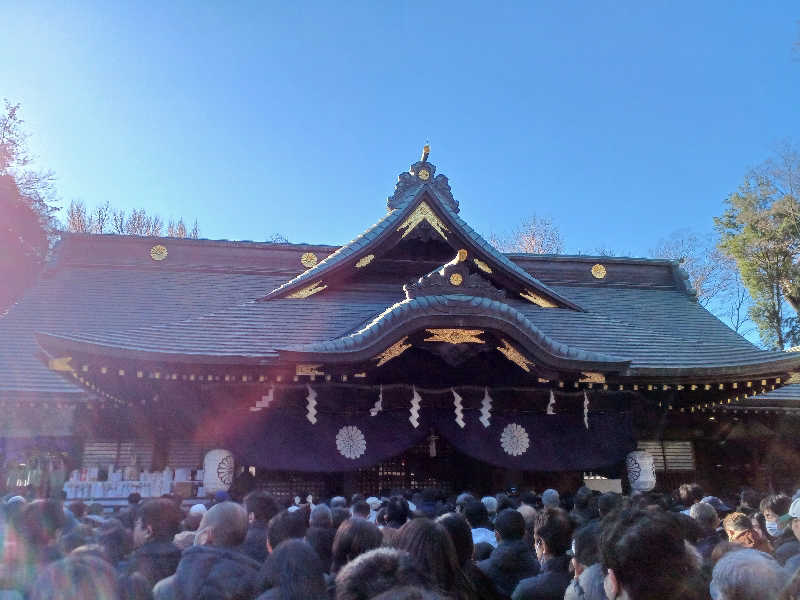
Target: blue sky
{"type": "Point", "coordinates": [622, 121]}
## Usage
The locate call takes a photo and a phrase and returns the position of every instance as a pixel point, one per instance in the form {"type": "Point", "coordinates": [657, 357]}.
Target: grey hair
{"type": "Point", "coordinates": [490, 502]}
{"type": "Point", "coordinates": [321, 516]}
{"type": "Point", "coordinates": [550, 498]}
{"type": "Point", "coordinates": [747, 575]}
{"type": "Point", "coordinates": [705, 514]}
{"type": "Point", "coordinates": [338, 502]}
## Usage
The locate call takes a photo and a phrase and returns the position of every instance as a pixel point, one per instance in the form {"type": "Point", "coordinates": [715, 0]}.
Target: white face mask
{"type": "Point", "coordinates": [772, 528]}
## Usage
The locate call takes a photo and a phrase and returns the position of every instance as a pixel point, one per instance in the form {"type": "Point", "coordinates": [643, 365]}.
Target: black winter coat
{"type": "Point", "coordinates": [211, 573]}
{"type": "Point", "coordinates": [509, 563]}
{"type": "Point", "coordinates": [154, 560]}
{"type": "Point", "coordinates": [550, 584]}
{"type": "Point", "coordinates": [255, 544]}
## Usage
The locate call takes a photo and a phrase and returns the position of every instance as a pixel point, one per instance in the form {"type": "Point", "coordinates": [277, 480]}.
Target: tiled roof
{"type": "Point", "coordinates": [202, 301]}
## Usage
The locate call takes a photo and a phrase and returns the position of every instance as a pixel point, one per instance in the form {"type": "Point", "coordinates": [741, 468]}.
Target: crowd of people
{"type": "Point", "coordinates": [420, 546]}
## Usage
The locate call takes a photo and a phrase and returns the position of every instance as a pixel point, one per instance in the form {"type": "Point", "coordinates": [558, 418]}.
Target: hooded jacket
{"type": "Point", "coordinates": [210, 573]}
{"type": "Point", "coordinates": [508, 564]}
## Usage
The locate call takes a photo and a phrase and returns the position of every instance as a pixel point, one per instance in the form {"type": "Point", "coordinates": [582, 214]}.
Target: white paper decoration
{"type": "Point", "coordinates": [458, 408]}
{"type": "Point", "coordinates": [416, 399]}
{"type": "Point", "coordinates": [586, 410]}
{"type": "Point", "coordinates": [265, 400]}
{"type": "Point", "coordinates": [311, 405]}
{"type": "Point", "coordinates": [378, 404]}
{"type": "Point", "coordinates": [551, 406]}
{"type": "Point", "coordinates": [486, 408]}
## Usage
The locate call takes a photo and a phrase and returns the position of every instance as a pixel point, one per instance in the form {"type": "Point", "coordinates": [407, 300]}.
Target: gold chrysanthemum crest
{"type": "Point", "coordinates": [598, 271]}
{"type": "Point", "coordinates": [308, 259]}
{"type": "Point", "coordinates": [158, 252]}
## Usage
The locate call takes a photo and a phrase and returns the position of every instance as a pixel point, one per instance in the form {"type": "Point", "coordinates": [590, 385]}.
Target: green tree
{"type": "Point", "coordinates": [760, 230]}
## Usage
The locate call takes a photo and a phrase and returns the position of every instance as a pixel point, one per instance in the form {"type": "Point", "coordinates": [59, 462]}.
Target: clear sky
{"type": "Point", "coordinates": [623, 121]}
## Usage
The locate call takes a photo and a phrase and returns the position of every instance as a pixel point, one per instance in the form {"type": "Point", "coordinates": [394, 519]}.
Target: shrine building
{"type": "Point", "coordinates": [415, 355]}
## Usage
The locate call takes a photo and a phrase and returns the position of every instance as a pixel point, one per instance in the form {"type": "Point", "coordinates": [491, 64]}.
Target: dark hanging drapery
{"type": "Point", "coordinates": [351, 430]}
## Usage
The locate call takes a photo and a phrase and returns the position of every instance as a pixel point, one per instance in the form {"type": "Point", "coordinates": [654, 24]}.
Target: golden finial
{"type": "Point", "coordinates": [426, 150]}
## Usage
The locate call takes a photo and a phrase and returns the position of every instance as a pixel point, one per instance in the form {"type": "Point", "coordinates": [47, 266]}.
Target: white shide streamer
{"type": "Point", "coordinates": [311, 406]}
{"type": "Point", "coordinates": [416, 400]}
{"type": "Point", "coordinates": [551, 406]}
{"type": "Point", "coordinates": [459, 409]}
{"type": "Point", "coordinates": [586, 410]}
{"type": "Point", "coordinates": [378, 404]}
{"type": "Point", "coordinates": [486, 408]}
{"type": "Point", "coordinates": [265, 400]}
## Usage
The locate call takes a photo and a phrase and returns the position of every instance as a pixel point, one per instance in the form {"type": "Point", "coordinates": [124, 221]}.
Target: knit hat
{"type": "Point", "coordinates": [198, 509]}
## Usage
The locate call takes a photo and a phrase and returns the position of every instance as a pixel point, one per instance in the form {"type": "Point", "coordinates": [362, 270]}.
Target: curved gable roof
{"type": "Point", "coordinates": [386, 233]}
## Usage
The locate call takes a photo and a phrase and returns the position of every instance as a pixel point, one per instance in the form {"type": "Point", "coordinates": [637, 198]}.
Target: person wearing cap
{"type": "Point", "coordinates": [792, 562]}
{"type": "Point", "coordinates": [374, 507]}
{"type": "Point", "coordinates": [719, 506]}
{"type": "Point", "coordinates": [185, 538]}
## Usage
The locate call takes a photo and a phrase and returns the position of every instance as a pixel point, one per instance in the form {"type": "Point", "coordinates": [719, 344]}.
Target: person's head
{"type": "Point", "coordinates": [646, 556]}
{"type": "Point", "coordinates": [339, 516]}
{"type": "Point", "coordinates": [509, 525]}
{"type": "Point", "coordinates": [582, 497]}
{"type": "Point", "coordinates": [192, 520]}
{"type": "Point", "coordinates": [95, 508]}
{"type": "Point", "coordinates": [361, 509]}
{"type": "Point", "coordinates": [746, 575]}
{"type": "Point", "coordinates": [430, 544]}
{"type": "Point", "coordinates": [83, 577]}
{"type": "Point", "coordinates": [476, 514]}
{"type": "Point", "coordinates": [748, 500]}
{"type": "Point", "coordinates": [490, 502]}
{"type": "Point", "coordinates": [354, 537]}
{"type": "Point", "coordinates": [396, 511]}
{"type": "Point", "coordinates": [40, 521]}
{"type": "Point", "coordinates": [260, 507]}
{"type": "Point", "coordinates": [794, 516]}
{"type": "Point", "coordinates": [355, 498]}
{"type": "Point", "coordinates": [134, 498]}
{"type": "Point", "coordinates": [459, 530]}
{"type": "Point", "coordinates": [462, 500]}
{"type": "Point", "coordinates": [528, 498]}
{"type": "Point", "coordinates": [705, 515]}
{"type": "Point", "coordinates": [157, 520]}
{"type": "Point", "coordinates": [224, 526]}
{"type": "Point", "coordinates": [338, 502]}
{"type": "Point", "coordinates": [773, 508]}
{"type": "Point", "coordinates": [78, 509]}
{"type": "Point", "coordinates": [294, 568]}
{"type": "Point", "coordinates": [550, 498]}
{"type": "Point", "coordinates": [78, 536]}
{"type": "Point", "coordinates": [286, 525]}
{"type": "Point", "coordinates": [608, 502]}
{"type": "Point", "coordinates": [552, 533]}
{"type": "Point", "coordinates": [379, 571]}
{"type": "Point", "coordinates": [585, 547]}
{"type": "Point", "coordinates": [689, 493]}
{"type": "Point", "coordinates": [321, 516]}
{"type": "Point", "coordinates": [117, 542]}
{"type": "Point", "coordinates": [735, 524]}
